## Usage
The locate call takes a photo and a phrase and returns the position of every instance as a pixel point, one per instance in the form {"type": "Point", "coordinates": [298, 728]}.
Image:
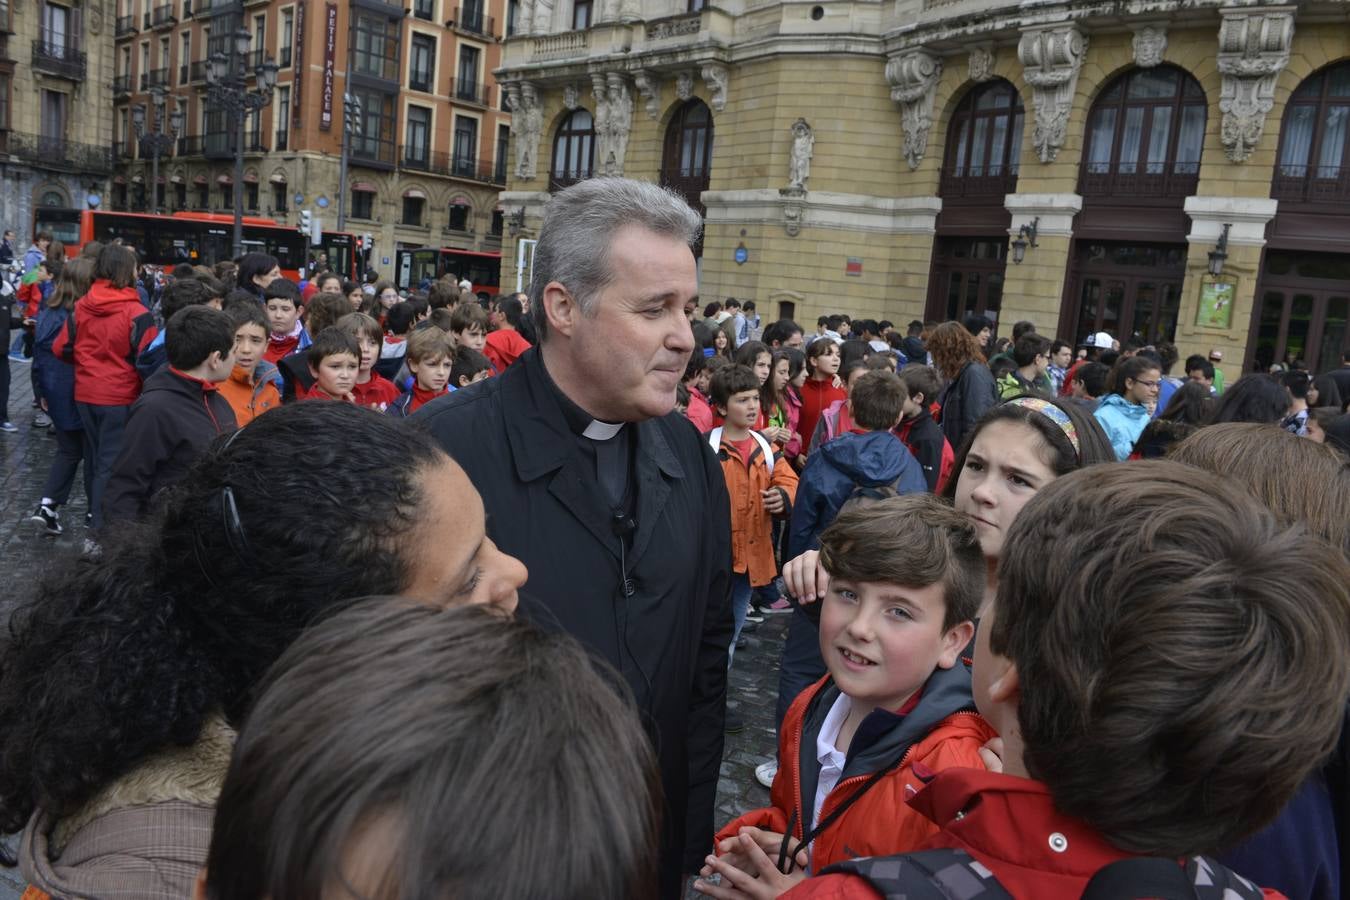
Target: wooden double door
{"type": "Point", "coordinates": [1124, 289]}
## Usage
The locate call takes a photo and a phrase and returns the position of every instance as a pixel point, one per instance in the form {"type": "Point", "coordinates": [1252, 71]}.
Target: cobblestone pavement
{"type": "Point", "coordinates": [26, 550]}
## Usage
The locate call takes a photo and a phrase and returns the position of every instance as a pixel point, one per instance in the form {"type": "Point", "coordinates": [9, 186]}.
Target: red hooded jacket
{"type": "Point", "coordinates": [110, 329]}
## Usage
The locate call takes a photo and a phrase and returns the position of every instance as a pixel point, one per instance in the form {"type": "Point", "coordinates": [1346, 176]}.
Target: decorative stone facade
{"type": "Point", "coordinates": [882, 89]}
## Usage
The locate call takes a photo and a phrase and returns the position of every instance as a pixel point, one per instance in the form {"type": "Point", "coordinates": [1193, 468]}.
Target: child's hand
{"type": "Point", "coordinates": [756, 879]}
{"type": "Point", "coordinates": [991, 754]}
{"type": "Point", "coordinates": [774, 504]}
{"type": "Point", "coordinates": [805, 578]}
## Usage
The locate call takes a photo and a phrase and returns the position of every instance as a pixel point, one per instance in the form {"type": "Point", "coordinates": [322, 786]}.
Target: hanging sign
{"type": "Point", "coordinates": [298, 72]}
{"type": "Point", "coordinates": [329, 61]}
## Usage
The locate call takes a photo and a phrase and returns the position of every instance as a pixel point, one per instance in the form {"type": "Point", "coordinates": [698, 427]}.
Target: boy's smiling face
{"type": "Point", "coordinates": [882, 641]}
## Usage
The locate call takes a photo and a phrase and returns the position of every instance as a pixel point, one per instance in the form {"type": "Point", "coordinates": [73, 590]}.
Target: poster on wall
{"type": "Point", "coordinates": [329, 57]}
{"type": "Point", "coordinates": [298, 73]}
{"type": "Point", "coordinates": [1216, 304]}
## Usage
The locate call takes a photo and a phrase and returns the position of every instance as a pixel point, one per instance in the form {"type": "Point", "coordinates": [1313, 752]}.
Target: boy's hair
{"type": "Point", "coordinates": [399, 319]}
{"type": "Point", "coordinates": [1093, 375]}
{"type": "Point", "coordinates": [1205, 366]}
{"type": "Point", "coordinates": [920, 379]}
{"type": "Point", "coordinates": [911, 541]}
{"type": "Point", "coordinates": [441, 295]}
{"type": "Point", "coordinates": [468, 363]}
{"type": "Point", "coordinates": [716, 363]}
{"type": "Point", "coordinates": [466, 315]}
{"type": "Point", "coordinates": [697, 363]}
{"type": "Point", "coordinates": [430, 343]}
{"type": "Point", "coordinates": [1297, 381]}
{"type": "Point", "coordinates": [181, 294]}
{"type": "Point", "coordinates": [282, 288]}
{"type": "Point", "coordinates": [1176, 684]}
{"type": "Point", "coordinates": [882, 361]}
{"type": "Point", "coordinates": [323, 311]}
{"type": "Point", "coordinates": [729, 381]}
{"type": "Point", "coordinates": [877, 399]}
{"type": "Point", "coordinates": [443, 318]}
{"type": "Point", "coordinates": [53, 266]}
{"type": "Point", "coordinates": [331, 342]}
{"type": "Point", "coordinates": [239, 295]}
{"type": "Point", "coordinates": [352, 749]}
{"type": "Point", "coordinates": [360, 325]}
{"type": "Point", "coordinates": [195, 333]}
{"type": "Point", "coordinates": [1029, 346]}
{"type": "Point", "coordinates": [241, 314]}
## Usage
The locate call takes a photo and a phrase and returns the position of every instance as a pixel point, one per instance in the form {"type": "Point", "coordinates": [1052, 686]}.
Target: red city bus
{"type": "Point", "coordinates": [412, 267]}
{"type": "Point", "coordinates": [208, 238]}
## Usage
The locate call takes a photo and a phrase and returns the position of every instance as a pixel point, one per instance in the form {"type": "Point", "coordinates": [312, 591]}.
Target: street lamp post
{"type": "Point", "coordinates": [157, 142]}
{"type": "Point", "coordinates": [226, 74]}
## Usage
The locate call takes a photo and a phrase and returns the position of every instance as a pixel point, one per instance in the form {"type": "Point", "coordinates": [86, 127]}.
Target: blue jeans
{"type": "Point", "coordinates": [801, 665]}
{"type": "Point", "coordinates": [740, 605]}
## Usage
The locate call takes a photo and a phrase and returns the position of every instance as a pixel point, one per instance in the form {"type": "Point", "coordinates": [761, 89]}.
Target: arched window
{"type": "Point", "coordinates": [984, 143]}
{"type": "Point", "coordinates": [1144, 137]}
{"type": "Point", "coordinates": [573, 150]}
{"type": "Point", "coordinates": [686, 160]}
{"type": "Point", "coordinates": [1313, 164]}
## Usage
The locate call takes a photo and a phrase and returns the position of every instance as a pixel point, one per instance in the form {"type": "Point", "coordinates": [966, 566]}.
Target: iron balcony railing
{"type": "Point", "coordinates": [126, 25]}
{"type": "Point", "coordinates": [472, 20]}
{"type": "Point", "coordinates": [161, 16]}
{"type": "Point", "coordinates": [1311, 184]}
{"type": "Point", "coordinates": [154, 78]}
{"type": "Point", "coordinates": [121, 85]}
{"type": "Point", "coordinates": [281, 139]}
{"type": "Point", "coordinates": [465, 91]}
{"type": "Point", "coordinates": [372, 151]}
{"type": "Point", "coordinates": [190, 145]}
{"type": "Point", "coordinates": [58, 59]}
{"type": "Point", "coordinates": [436, 162]}
{"type": "Point", "coordinates": [60, 154]}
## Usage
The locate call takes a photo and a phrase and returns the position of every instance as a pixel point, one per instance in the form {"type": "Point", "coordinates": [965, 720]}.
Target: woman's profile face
{"type": "Point", "coordinates": [451, 560]}
{"type": "Point", "coordinates": [356, 298]}
{"type": "Point", "coordinates": [1005, 468]}
{"type": "Point", "coordinates": [1313, 394]}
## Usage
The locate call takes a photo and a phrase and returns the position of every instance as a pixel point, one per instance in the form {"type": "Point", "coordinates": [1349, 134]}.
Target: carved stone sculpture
{"type": "Point", "coordinates": [913, 77]}
{"type": "Point", "coordinates": [1150, 43]}
{"type": "Point", "coordinates": [1253, 50]}
{"type": "Point", "coordinates": [794, 209]}
{"type": "Point", "coordinates": [620, 123]}
{"type": "Point", "coordinates": [571, 96]}
{"type": "Point", "coordinates": [684, 85]}
{"type": "Point", "coordinates": [1052, 57]}
{"type": "Point", "coordinates": [715, 76]}
{"type": "Point", "coordinates": [649, 86]}
{"type": "Point", "coordinates": [527, 121]}
{"type": "Point", "coordinates": [981, 63]}
{"type": "Point", "coordinates": [602, 129]}
{"type": "Point", "coordinates": [799, 160]}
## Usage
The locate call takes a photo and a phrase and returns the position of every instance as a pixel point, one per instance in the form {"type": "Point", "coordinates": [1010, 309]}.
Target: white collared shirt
{"type": "Point", "coordinates": [830, 757]}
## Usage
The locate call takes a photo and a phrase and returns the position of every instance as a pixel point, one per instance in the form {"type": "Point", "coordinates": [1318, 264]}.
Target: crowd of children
{"type": "Point", "coordinates": [1026, 657]}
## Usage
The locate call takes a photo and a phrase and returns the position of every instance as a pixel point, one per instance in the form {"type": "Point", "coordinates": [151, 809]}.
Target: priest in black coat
{"type": "Point", "coordinates": [613, 501]}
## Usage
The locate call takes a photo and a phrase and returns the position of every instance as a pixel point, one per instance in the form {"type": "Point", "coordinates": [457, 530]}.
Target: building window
{"type": "Point", "coordinates": [417, 138]}
{"type": "Point", "coordinates": [363, 205]}
{"type": "Point", "coordinates": [573, 150]}
{"type": "Point", "coordinates": [57, 36]}
{"type": "Point", "coordinates": [466, 146]}
{"type": "Point", "coordinates": [498, 222]}
{"type": "Point", "coordinates": [424, 9]}
{"type": "Point", "coordinates": [376, 51]}
{"type": "Point", "coordinates": [119, 197]}
{"type": "Point", "coordinates": [695, 6]}
{"type": "Point", "coordinates": [503, 151]}
{"type": "Point", "coordinates": [467, 85]}
{"type": "Point", "coordinates": [1313, 164]}
{"type": "Point", "coordinates": [471, 16]}
{"type": "Point", "coordinates": [53, 122]}
{"type": "Point", "coordinates": [287, 38]}
{"type": "Point", "coordinates": [423, 63]}
{"type": "Point", "coordinates": [4, 101]}
{"type": "Point", "coordinates": [984, 142]}
{"type": "Point", "coordinates": [512, 10]}
{"type": "Point", "coordinates": [1144, 136]}
{"type": "Point", "coordinates": [283, 117]}
{"type": "Point", "coordinates": [459, 217]}
{"type": "Point", "coordinates": [227, 196]}
{"type": "Point", "coordinates": [250, 196]}
{"type": "Point", "coordinates": [412, 210]}
{"type": "Point", "coordinates": [278, 197]}
{"type": "Point", "coordinates": [581, 14]}
{"type": "Point", "coordinates": [376, 138]}
{"type": "Point", "coordinates": [184, 57]}
{"type": "Point", "coordinates": [203, 196]}
{"type": "Point", "coordinates": [180, 196]}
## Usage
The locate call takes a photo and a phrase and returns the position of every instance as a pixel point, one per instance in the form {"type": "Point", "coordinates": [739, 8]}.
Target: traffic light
{"type": "Point", "coordinates": [306, 221]}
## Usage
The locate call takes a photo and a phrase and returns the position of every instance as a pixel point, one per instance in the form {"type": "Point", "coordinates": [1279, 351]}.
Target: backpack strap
{"type": "Point", "coordinates": [1200, 878]}
{"type": "Point", "coordinates": [715, 441]}
{"type": "Point", "coordinates": [946, 874]}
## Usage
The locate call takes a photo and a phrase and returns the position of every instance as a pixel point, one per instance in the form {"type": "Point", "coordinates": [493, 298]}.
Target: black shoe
{"type": "Point", "coordinates": [754, 615]}
{"type": "Point", "coordinates": [734, 724]}
{"type": "Point", "coordinates": [46, 517]}
{"type": "Point", "coordinates": [742, 643]}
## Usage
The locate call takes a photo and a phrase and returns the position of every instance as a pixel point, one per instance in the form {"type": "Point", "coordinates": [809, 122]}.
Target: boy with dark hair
{"type": "Point", "coordinates": [1296, 382]}
{"type": "Point", "coordinates": [1163, 709]}
{"type": "Point", "coordinates": [1202, 370]}
{"type": "Point", "coordinates": [1088, 384]}
{"type": "Point", "coordinates": [906, 579]}
{"type": "Point", "coordinates": [251, 388]}
{"type": "Point", "coordinates": [469, 325]}
{"type": "Point", "coordinates": [919, 432]}
{"type": "Point", "coordinates": [470, 366]}
{"type": "Point", "coordinates": [398, 324]}
{"type": "Point", "coordinates": [1031, 356]}
{"type": "Point", "coordinates": [760, 483]}
{"type": "Point", "coordinates": [281, 302]}
{"type": "Point", "coordinates": [1061, 357]}
{"type": "Point", "coordinates": [178, 295]}
{"type": "Point", "coordinates": [334, 359]}
{"type": "Point", "coordinates": [178, 414]}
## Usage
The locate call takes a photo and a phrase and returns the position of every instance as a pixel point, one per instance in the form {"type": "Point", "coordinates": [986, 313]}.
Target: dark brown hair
{"type": "Point", "coordinates": [1298, 480]}
{"type": "Point", "coordinates": [729, 381]}
{"type": "Point", "coordinates": [473, 739]}
{"type": "Point", "coordinates": [1183, 658]}
{"type": "Point", "coordinates": [877, 400]}
{"type": "Point", "coordinates": [912, 541]}
{"type": "Point", "coordinates": [73, 283]}
{"type": "Point", "coordinates": [117, 265]}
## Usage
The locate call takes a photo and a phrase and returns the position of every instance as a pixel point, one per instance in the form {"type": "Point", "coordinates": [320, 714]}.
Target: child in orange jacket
{"type": "Point", "coordinates": [760, 482]}
{"type": "Point", "coordinates": [906, 579]}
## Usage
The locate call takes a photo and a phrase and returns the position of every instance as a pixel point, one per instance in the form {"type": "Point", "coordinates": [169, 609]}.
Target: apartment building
{"type": "Point", "coordinates": [55, 113]}
{"type": "Point", "coordinates": [427, 149]}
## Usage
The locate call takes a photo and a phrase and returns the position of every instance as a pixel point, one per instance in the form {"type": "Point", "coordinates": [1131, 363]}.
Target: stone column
{"type": "Point", "coordinates": [1034, 289]}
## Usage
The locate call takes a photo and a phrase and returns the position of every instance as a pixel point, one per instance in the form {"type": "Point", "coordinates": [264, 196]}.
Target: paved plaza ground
{"type": "Point", "coordinates": [26, 552]}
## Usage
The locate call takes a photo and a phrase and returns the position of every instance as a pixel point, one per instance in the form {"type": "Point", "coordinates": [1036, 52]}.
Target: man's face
{"type": "Point", "coordinates": [629, 354]}
{"type": "Point", "coordinates": [1198, 376]}
{"type": "Point", "coordinates": [1063, 357]}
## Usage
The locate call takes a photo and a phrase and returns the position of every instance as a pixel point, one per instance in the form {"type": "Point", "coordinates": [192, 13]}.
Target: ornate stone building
{"type": "Point", "coordinates": [1086, 165]}
{"type": "Point", "coordinates": [56, 66]}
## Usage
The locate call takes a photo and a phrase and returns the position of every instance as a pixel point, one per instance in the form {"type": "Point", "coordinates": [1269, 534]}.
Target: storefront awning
{"type": "Point", "coordinates": [363, 187]}
{"type": "Point", "coordinates": [414, 194]}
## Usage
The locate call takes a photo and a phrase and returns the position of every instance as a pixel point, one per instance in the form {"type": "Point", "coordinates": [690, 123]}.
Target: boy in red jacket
{"type": "Point", "coordinates": [906, 578]}
{"type": "Point", "coordinates": [108, 331]}
{"type": "Point", "coordinates": [1161, 686]}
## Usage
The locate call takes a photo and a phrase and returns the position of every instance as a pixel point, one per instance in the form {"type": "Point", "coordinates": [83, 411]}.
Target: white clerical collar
{"type": "Point", "coordinates": [601, 431]}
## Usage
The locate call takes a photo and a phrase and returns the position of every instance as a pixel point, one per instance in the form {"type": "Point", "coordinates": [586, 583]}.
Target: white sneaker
{"type": "Point", "coordinates": [765, 773]}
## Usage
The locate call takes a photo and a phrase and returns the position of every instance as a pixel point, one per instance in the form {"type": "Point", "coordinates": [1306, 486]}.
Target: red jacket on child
{"type": "Point", "coordinates": [1010, 826]}
{"type": "Point", "coordinates": [111, 327]}
{"type": "Point", "coordinates": [942, 731]}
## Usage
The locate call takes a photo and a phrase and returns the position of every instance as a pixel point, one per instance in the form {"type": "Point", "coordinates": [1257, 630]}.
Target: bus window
{"type": "Point", "coordinates": [485, 272]}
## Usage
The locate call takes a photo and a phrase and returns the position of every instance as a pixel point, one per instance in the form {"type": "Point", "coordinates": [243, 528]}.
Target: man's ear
{"type": "Point", "coordinates": [561, 308]}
